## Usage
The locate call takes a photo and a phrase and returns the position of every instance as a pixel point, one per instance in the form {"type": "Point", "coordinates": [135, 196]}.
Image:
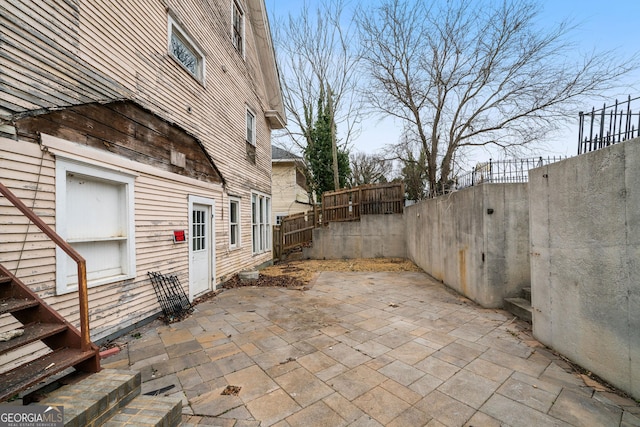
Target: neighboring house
{"type": "Point", "coordinates": [126, 126]}
{"type": "Point", "coordinates": [289, 184]}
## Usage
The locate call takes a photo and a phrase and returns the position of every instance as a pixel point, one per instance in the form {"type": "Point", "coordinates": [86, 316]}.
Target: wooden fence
{"type": "Point", "coordinates": [343, 205]}
{"type": "Point", "coordinates": [294, 231]}
{"type": "Point", "coordinates": [350, 204]}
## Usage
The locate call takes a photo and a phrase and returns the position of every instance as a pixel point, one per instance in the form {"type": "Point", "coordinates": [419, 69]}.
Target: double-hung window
{"type": "Point", "coordinates": [237, 28]}
{"type": "Point", "coordinates": [234, 223]}
{"type": "Point", "coordinates": [251, 128]}
{"type": "Point", "coordinates": [261, 222]}
{"type": "Point", "coordinates": [184, 50]}
{"type": "Point", "coordinates": [95, 214]}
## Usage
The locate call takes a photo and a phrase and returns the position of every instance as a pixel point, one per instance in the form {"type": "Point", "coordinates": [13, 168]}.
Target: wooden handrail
{"type": "Point", "coordinates": [85, 341]}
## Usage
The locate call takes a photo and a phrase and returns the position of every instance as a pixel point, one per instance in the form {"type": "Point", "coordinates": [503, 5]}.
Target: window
{"type": "Point", "coordinates": [251, 128]}
{"type": "Point", "coordinates": [237, 28]}
{"type": "Point", "coordinates": [234, 223]}
{"type": "Point", "coordinates": [261, 223]}
{"type": "Point", "coordinates": [198, 230]}
{"type": "Point", "coordinates": [94, 213]}
{"type": "Point", "coordinates": [279, 218]}
{"type": "Point", "coordinates": [184, 50]}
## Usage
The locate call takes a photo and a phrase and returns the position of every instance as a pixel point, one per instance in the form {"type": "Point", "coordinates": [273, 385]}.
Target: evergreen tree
{"type": "Point", "coordinates": [318, 152]}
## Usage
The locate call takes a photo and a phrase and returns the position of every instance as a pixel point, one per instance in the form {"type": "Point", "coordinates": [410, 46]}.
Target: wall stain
{"type": "Point", "coordinates": [462, 264]}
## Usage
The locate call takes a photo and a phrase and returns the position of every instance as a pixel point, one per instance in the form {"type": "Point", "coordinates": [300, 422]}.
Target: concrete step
{"type": "Point", "coordinates": [148, 411]}
{"type": "Point", "coordinates": [112, 398]}
{"type": "Point", "coordinates": [526, 293]}
{"type": "Point", "coordinates": [95, 399]}
{"type": "Point", "coordinates": [519, 307]}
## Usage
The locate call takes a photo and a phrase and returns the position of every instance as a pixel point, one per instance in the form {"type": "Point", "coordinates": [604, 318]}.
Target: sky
{"type": "Point", "coordinates": [601, 26]}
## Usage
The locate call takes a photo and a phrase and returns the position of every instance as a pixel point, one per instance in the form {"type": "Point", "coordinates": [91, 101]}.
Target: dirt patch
{"type": "Point", "coordinates": [299, 274]}
{"type": "Point", "coordinates": [282, 281]}
{"type": "Point", "coordinates": [304, 270]}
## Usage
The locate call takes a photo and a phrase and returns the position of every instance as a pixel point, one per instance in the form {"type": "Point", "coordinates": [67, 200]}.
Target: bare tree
{"type": "Point", "coordinates": [318, 52]}
{"type": "Point", "coordinates": [469, 73]}
{"type": "Point", "coordinates": [369, 169]}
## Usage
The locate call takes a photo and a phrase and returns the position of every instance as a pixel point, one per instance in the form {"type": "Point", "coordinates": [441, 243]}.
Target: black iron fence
{"type": "Point", "coordinates": [608, 125]}
{"type": "Point", "coordinates": [501, 171]}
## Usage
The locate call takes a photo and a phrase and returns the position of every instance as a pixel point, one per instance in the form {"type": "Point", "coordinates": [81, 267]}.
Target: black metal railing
{"type": "Point", "coordinates": [502, 171]}
{"type": "Point", "coordinates": [608, 125]}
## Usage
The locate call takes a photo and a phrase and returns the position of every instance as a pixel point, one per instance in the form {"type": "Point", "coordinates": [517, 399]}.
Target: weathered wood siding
{"type": "Point", "coordinates": [40, 63]}
{"type": "Point", "coordinates": [133, 49]}
{"type": "Point", "coordinates": [59, 54]}
{"type": "Point", "coordinates": [69, 52]}
{"type": "Point", "coordinates": [161, 206]}
{"type": "Point", "coordinates": [124, 129]}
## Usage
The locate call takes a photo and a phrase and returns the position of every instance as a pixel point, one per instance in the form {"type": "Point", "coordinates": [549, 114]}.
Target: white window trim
{"type": "Point", "coordinates": [62, 167]}
{"type": "Point", "coordinates": [279, 214]}
{"type": "Point", "coordinates": [173, 26]}
{"type": "Point", "coordinates": [267, 246]}
{"type": "Point", "coordinates": [239, 233]}
{"type": "Point", "coordinates": [242, 50]}
{"type": "Point", "coordinates": [253, 126]}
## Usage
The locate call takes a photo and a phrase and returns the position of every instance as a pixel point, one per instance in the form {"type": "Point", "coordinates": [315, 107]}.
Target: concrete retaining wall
{"type": "Point", "coordinates": [374, 236]}
{"type": "Point", "coordinates": [475, 240]}
{"type": "Point", "coordinates": [585, 243]}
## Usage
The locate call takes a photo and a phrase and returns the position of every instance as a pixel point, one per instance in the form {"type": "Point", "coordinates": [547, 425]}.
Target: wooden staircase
{"type": "Point", "coordinates": [40, 323]}
{"type": "Point", "coordinates": [69, 347]}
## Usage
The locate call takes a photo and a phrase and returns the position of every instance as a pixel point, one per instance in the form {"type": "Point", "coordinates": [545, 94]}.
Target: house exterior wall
{"type": "Point", "coordinates": [61, 54]}
{"type": "Point", "coordinates": [214, 111]}
{"type": "Point", "coordinates": [161, 206]}
{"type": "Point", "coordinates": [288, 197]}
{"type": "Point", "coordinates": [68, 55]}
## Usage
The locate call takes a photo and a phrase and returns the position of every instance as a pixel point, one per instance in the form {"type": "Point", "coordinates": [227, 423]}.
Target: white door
{"type": "Point", "coordinates": [201, 253]}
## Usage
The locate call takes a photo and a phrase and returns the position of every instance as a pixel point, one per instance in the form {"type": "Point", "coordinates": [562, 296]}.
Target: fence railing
{"type": "Point", "coordinates": [501, 171]}
{"type": "Point", "coordinates": [608, 125]}
{"type": "Point", "coordinates": [350, 204]}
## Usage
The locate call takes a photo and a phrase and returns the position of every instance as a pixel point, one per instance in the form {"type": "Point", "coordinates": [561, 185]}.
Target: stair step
{"type": "Point", "coordinates": [11, 305]}
{"type": "Point", "coordinates": [24, 376]}
{"type": "Point", "coordinates": [148, 411]}
{"type": "Point", "coordinates": [519, 307]}
{"type": "Point", "coordinates": [97, 398]}
{"type": "Point", "coordinates": [32, 332]}
{"type": "Point", "coordinates": [526, 293]}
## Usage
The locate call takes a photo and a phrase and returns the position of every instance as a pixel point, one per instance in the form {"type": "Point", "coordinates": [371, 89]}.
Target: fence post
{"type": "Point", "coordinates": [580, 131]}
{"type": "Point", "coordinates": [490, 171]}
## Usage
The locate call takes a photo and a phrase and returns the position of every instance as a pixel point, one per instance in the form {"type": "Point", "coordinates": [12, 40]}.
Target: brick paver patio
{"type": "Point", "coordinates": [363, 349]}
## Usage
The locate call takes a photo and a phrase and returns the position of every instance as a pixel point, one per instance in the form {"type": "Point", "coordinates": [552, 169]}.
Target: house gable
{"type": "Point", "coordinates": [126, 129]}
